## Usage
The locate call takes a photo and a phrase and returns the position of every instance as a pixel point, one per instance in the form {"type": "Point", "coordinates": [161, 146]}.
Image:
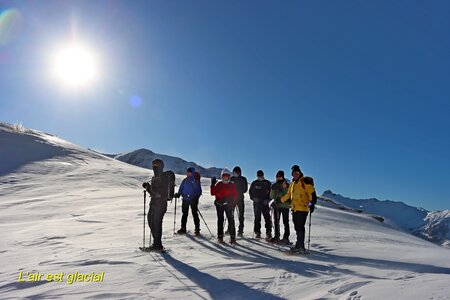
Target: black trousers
{"type": "Point", "coordinates": [299, 218]}
{"type": "Point", "coordinates": [220, 219]}
{"type": "Point", "coordinates": [261, 208]}
{"type": "Point", "coordinates": [193, 204]}
{"type": "Point", "coordinates": [278, 213]}
{"type": "Point", "coordinates": [156, 212]}
{"type": "Point", "coordinates": [241, 208]}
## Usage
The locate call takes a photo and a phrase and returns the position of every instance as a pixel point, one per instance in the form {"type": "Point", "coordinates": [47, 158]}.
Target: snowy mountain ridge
{"type": "Point", "coordinates": [143, 158]}
{"type": "Point", "coordinates": [433, 226]}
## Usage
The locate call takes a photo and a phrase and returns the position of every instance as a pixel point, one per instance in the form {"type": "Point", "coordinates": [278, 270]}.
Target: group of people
{"type": "Point", "coordinates": [269, 199]}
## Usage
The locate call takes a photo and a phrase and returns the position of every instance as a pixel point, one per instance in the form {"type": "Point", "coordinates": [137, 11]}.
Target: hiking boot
{"type": "Point", "coordinates": [268, 237]}
{"type": "Point", "coordinates": [156, 248]}
{"type": "Point", "coordinates": [257, 235]}
{"type": "Point", "coordinates": [297, 249]}
{"type": "Point", "coordinates": [233, 241]}
{"type": "Point", "coordinates": [181, 231]}
{"type": "Point", "coordinates": [220, 240]}
{"type": "Point", "coordinates": [286, 241]}
{"type": "Point", "coordinates": [197, 232]}
{"type": "Point", "coordinates": [274, 240]}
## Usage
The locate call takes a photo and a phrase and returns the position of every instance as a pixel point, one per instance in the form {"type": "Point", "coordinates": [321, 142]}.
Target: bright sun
{"type": "Point", "coordinates": [75, 65]}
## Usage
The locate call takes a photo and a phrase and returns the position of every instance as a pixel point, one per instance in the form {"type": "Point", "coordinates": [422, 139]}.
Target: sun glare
{"type": "Point", "coordinates": [75, 65]}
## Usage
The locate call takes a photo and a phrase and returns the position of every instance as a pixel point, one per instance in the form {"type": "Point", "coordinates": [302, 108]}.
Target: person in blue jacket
{"type": "Point", "coordinates": [190, 191]}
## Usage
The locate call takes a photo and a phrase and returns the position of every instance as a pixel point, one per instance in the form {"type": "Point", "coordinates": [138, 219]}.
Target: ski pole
{"type": "Point", "coordinates": [175, 216]}
{"type": "Point", "coordinates": [309, 233]}
{"type": "Point", "coordinates": [204, 221]}
{"type": "Point", "coordinates": [143, 235]}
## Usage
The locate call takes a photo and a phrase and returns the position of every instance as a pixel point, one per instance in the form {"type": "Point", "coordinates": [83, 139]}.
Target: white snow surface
{"type": "Point", "coordinates": [68, 209]}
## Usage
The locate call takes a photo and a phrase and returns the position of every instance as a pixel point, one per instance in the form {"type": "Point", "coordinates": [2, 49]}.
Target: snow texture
{"type": "Point", "coordinates": [65, 209]}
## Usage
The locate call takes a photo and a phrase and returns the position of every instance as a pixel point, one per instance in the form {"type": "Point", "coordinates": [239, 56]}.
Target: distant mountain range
{"type": "Point", "coordinates": [433, 226]}
{"type": "Point", "coordinates": [143, 158]}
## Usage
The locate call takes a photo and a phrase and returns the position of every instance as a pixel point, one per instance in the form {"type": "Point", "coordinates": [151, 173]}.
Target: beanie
{"type": "Point", "coordinates": [260, 173]}
{"type": "Point", "coordinates": [237, 169]}
{"type": "Point", "coordinates": [280, 174]}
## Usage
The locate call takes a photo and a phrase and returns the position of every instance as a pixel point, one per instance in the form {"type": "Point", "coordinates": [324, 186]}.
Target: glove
{"type": "Point", "coordinates": [213, 181]}
{"type": "Point", "coordinates": [144, 185]}
{"type": "Point", "coordinates": [272, 204]}
{"type": "Point", "coordinates": [176, 195]}
{"type": "Point", "coordinates": [311, 207]}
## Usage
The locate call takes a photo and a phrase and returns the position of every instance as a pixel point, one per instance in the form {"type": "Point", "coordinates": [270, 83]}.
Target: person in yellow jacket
{"type": "Point", "coordinates": [303, 198]}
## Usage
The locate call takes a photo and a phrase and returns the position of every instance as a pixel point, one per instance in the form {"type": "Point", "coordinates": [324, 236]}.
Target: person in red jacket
{"type": "Point", "coordinates": [226, 199]}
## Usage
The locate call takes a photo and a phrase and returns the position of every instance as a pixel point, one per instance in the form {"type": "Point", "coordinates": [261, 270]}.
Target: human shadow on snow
{"type": "Point", "coordinates": [218, 288]}
{"type": "Point", "coordinates": [302, 268]}
{"type": "Point", "coordinates": [379, 263]}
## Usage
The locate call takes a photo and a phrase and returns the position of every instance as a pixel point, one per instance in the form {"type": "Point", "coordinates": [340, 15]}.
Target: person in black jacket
{"type": "Point", "coordinates": [159, 193]}
{"type": "Point", "coordinates": [260, 194]}
{"type": "Point", "coordinates": [241, 188]}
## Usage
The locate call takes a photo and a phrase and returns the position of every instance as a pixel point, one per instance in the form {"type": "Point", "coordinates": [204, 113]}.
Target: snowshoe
{"type": "Point", "coordinates": [181, 231]}
{"type": "Point", "coordinates": [153, 248]}
{"type": "Point", "coordinates": [274, 240]}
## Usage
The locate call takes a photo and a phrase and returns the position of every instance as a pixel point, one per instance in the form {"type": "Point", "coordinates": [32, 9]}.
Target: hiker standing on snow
{"type": "Point", "coordinates": [226, 198]}
{"type": "Point", "coordinates": [190, 191]}
{"type": "Point", "coordinates": [303, 198]}
{"type": "Point", "coordinates": [159, 193]}
{"type": "Point", "coordinates": [241, 188]}
{"type": "Point", "coordinates": [280, 209]}
{"type": "Point", "coordinates": [260, 194]}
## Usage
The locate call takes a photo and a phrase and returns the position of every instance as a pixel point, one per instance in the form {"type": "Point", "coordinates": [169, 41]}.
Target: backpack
{"type": "Point", "coordinates": [197, 176]}
{"type": "Point", "coordinates": [171, 186]}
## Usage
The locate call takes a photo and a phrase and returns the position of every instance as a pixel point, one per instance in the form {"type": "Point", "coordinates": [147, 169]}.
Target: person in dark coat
{"type": "Point", "coordinates": [159, 194]}
{"type": "Point", "coordinates": [260, 195]}
{"type": "Point", "coordinates": [241, 188]}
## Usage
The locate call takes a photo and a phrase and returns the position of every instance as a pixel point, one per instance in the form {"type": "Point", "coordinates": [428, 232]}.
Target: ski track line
{"type": "Point", "coordinates": [347, 287]}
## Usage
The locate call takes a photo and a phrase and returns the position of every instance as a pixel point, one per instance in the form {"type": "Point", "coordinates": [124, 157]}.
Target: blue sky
{"type": "Point", "coordinates": [355, 92]}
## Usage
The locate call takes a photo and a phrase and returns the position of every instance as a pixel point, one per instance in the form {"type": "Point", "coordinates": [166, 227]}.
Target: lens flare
{"type": "Point", "coordinates": [135, 101]}
{"type": "Point", "coordinates": [10, 24]}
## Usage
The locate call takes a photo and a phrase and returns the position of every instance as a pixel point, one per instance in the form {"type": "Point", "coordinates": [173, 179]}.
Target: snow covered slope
{"type": "Point", "coordinates": [434, 226]}
{"type": "Point", "coordinates": [65, 209]}
{"type": "Point", "coordinates": [143, 158]}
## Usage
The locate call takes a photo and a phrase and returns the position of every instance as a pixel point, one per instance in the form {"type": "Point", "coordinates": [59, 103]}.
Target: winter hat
{"type": "Point", "coordinates": [225, 171]}
{"type": "Point", "coordinates": [191, 169]}
{"type": "Point", "coordinates": [260, 173]}
{"type": "Point", "coordinates": [237, 169]}
{"type": "Point", "coordinates": [296, 168]}
{"type": "Point", "coordinates": [158, 163]}
{"type": "Point", "coordinates": [280, 174]}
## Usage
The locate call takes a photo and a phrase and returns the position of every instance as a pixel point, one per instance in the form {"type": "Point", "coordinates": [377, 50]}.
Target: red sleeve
{"type": "Point", "coordinates": [215, 189]}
